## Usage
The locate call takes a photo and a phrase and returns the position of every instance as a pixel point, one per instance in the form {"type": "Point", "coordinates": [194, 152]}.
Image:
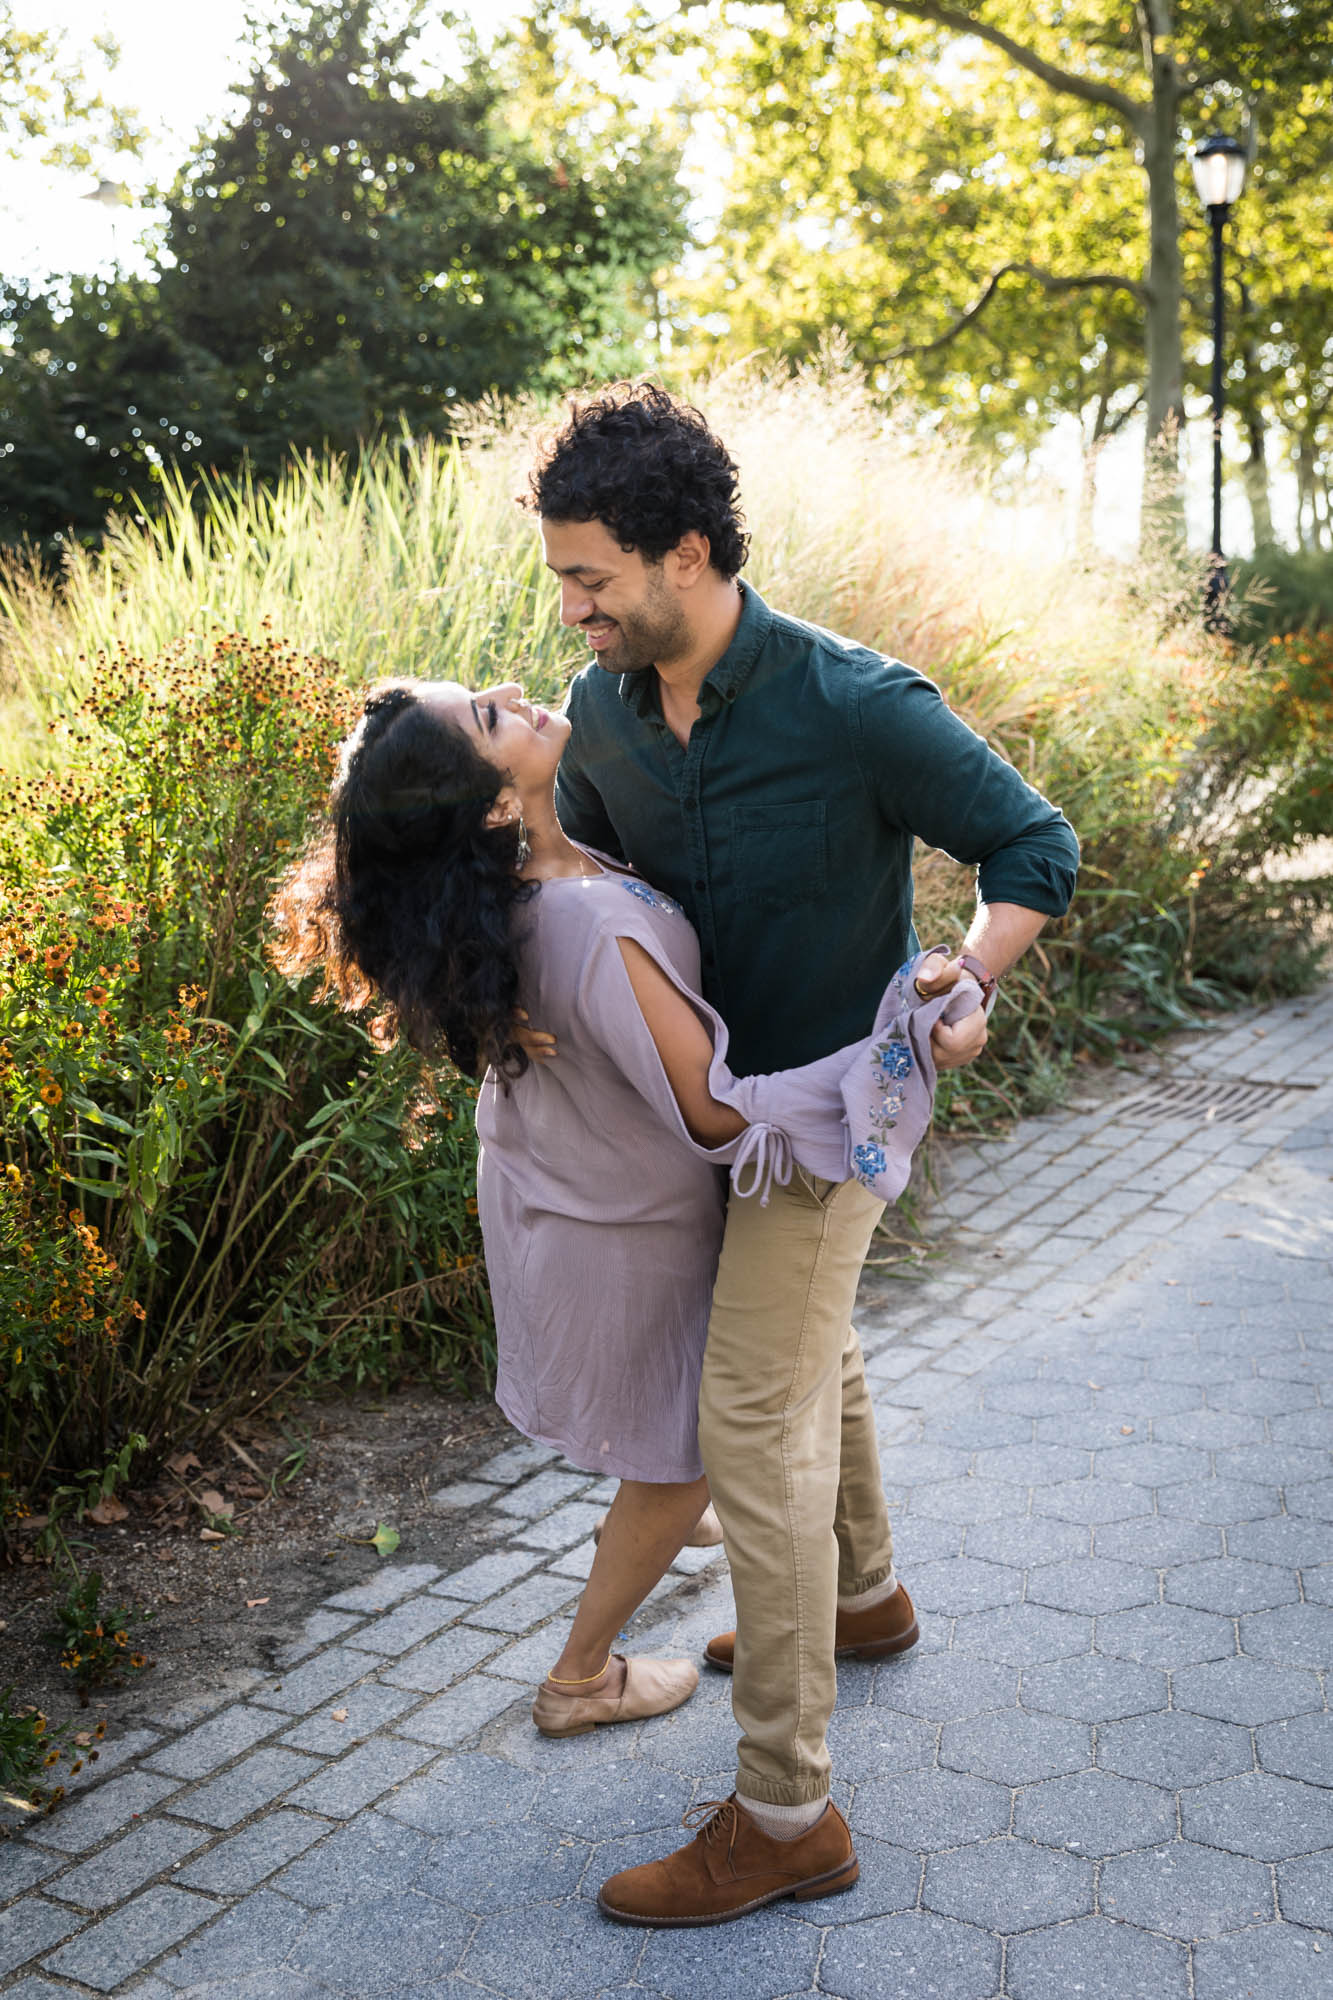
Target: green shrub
{"type": "Point", "coordinates": [30, 1750]}
{"type": "Point", "coordinates": [1279, 591]}
{"type": "Point", "coordinates": [206, 1183]}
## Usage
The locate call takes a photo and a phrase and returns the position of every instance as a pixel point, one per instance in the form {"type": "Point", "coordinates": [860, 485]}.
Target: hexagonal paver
{"type": "Point", "coordinates": [963, 1584]}
{"type": "Point", "coordinates": [701, 1736]}
{"type": "Point", "coordinates": [1281, 1465]}
{"type": "Point", "coordinates": [970, 1500]}
{"type": "Point", "coordinates": [1269, 1818]}
{"type": "Point", "coordinates": [461, 1793]}
{"type": "Point", "coordinates": [889, 1880]}
{"type": "Point", "coordinates": [1015, 1748]}
{"type": "Point", "coordinates": [550, 1950]}
{"type": "Point", "coordinates": [1274, 1959]}
{"type": "Point", "coordinates": [1174, 1750]}
{"type": "Point", "coordinates": [1028, 1541]}
{"type": "Point", "coordinates": [1038, 1399]}
{"type": "Point", "coordinates": [1210, 1429]}
{"type": "Point", "coordinates": [1022, 1634]}
{"type": "Point", "coordinates": [1305, 1889]}
{"type": "Point", "coordinates": [1033, 1464]}
{"type": "Point", "coordinates": [1152, 1464]}
{"type": "Point", "coordinates": [1097, 1960]}
{"type": "Point", "coordinates": [497, 1868]}
{"type": "Point", "coordinates": [927, 1810]}
{"type": "Point", "coordinates": [1302, 1748]}
{"type": "Point", "coordinates": [1186, 1891]}
{"type": "Point", "coordinates": [860, 1961]}
{"type": "Point", "coordinates": [1283, 1541]}
{"type": "Point", "coordinates": [916, 1540]}
{"type": "Point", "coordinates": [914, 1464]}
{"type": "Point", "coordinates": [625, 1797]}
{"type": "Point", "coordinates": [1241, 1690]}
{"type": "Point", "coordinates": [1230, 1585]}
{"type": "Point", "coordinates": [1165, 1635]}
{"type": "Point", "coordinates": [1092, 1583]}
{"type": "Point", "coordinates": [1223, 1501]}
{"type": "Point", "coordinates": [976, 1430]}
{"type": "Point", "coordinates": [940, 1686]}
{"type": "Point", "coordinates": [873, 1742]}
{"type": "Point", "coordinates": [377, 1944]}
{"type": "Point", "coordinates": [1299, 1634]}
{"type": "Point", "coordinates": [1092, 1500]}
{"type": "Point", "coordinates": [1158, 1542]}
{"type": "Point", "coordinates": [774, 1957]}
{"type": "Point", "coordinates": [1304, 1427]}
{"type": "Point", "coordinates": [1266, 1396]}
{"type": "Point", "coordinates": [1006, 1885]}
{"type": "Point", "coordinates": [1094, 1813]}
{"type": "Point", "coordinates": [1093, 1689]}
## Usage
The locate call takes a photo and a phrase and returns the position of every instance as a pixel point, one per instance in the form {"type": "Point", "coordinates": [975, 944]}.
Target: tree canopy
{"type": "Point", "coordinates": [354, 248]}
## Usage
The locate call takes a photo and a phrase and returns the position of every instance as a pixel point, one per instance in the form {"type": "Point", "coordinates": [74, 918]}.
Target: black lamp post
{"type": "Point", "coordinates": [1219, 174]}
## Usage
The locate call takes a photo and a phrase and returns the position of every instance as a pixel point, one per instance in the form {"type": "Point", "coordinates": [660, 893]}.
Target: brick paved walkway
{"type": "Point", "coordinates": [1106, 1771]}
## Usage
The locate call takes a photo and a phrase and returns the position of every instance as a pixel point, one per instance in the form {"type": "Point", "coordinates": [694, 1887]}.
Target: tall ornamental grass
{"type": "Point", "coordinates": [210, 1184]}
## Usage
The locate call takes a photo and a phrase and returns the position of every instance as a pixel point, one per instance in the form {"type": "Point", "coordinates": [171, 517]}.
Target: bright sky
{"type": "Point", "coordinates": [178, 61]}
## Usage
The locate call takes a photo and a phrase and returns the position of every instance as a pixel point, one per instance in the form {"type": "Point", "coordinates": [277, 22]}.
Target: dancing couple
{"type": "Point", "coordinates": [718, 829]}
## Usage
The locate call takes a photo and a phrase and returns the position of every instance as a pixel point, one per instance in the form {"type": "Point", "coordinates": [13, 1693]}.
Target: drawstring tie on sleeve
{"type": "Point", "coordinates": [766, 1150]}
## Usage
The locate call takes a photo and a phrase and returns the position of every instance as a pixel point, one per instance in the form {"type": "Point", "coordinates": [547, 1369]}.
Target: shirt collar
{"type": "Point", "coordinates": [726, 679]}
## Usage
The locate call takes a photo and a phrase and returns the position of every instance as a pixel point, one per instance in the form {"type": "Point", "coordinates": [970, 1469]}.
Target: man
{"type": "Point", "coordinates": [773, 778]}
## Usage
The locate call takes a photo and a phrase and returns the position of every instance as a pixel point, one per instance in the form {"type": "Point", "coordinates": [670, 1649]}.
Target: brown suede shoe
{"type": "Point", "coordinates": [731, 1867]}
{"type": "Point", "coordinates": [889, 1627]}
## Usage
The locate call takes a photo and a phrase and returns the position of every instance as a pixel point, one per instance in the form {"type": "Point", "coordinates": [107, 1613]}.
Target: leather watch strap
{"type": "Point", "coordinates": [983, 975]}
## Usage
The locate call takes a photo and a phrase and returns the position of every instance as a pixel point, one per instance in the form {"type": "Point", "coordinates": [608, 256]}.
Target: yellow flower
{"type": "Point", "coordinates": [13, 1176]}
{"type": "Point", "coordinates": [51, 1093]}
{"type": "Point", "coordinates": [472, 1204]}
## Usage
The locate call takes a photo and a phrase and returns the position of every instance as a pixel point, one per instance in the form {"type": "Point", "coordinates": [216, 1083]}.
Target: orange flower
{"type": "Point", "coordinates": [51, 1093]}
{"type": "Point", "coordinates": [98, 996]}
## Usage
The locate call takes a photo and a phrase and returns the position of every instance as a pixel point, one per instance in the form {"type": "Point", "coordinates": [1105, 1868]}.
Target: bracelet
{"type": "Point", "coordinates": [985, 978]}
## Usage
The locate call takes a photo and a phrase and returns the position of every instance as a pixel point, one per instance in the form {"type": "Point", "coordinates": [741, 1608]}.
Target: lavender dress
{"type": "Point", "coordinates": [603, 1220]}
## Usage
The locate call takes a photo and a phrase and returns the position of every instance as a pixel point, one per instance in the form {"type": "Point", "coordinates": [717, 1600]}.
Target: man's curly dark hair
{"type": "Point", "coordinates": [647, 467]}
{"type": "Point", "coordinates": [405, 893]}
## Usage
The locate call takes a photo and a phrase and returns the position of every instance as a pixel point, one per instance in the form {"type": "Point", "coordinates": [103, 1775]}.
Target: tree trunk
{"type": "Point", "coordinates": [1163, 498]}
{"type": "Point", "coordinates": [1087, 477]}
{"type": "Point", "coordinates": [1256, 479]}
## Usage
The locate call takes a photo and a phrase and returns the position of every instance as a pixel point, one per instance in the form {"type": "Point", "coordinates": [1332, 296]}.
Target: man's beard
{"type": "Point", "coordinates": [657, 631]}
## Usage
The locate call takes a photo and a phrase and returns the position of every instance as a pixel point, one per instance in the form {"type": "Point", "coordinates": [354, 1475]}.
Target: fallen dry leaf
{"type": "Point", "coordinates": [83, 1738]}
{"type": "Point", "coordinates": [252, 1602]}
{"type": "Point", "coordinates": [184, 1461]}
{"type": "Point", "coordinates": [338, 1714]}
{"type": "Point", "coordinates": [1126, 1430]}
{"type": "Point", "coordinates": [212, 1501]}
{"type": "Point", "coordinates": [171, 1597]}
{"type": "Point", "coordinates": [1094, 1385]}
{"type": "Point", "coordinates": [211, 1535]}
{"type": "Point", "coordinates": [107, 1511]}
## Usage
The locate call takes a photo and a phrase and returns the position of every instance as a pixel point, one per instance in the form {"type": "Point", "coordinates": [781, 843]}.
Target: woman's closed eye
{"type": "Point", "coordinates": [492, 715]}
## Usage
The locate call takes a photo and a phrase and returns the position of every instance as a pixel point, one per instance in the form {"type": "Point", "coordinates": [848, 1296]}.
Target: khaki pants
{"type": "Point", "coordinates": [787, 1435]}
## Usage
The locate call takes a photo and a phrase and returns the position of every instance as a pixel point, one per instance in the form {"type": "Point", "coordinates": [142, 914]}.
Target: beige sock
{"type": "Point", "coordinates": [877, 1594]}
{"type": "Point", "coordinates": [783, 1822]}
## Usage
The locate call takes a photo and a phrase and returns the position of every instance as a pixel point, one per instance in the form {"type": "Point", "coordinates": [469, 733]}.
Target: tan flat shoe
{"type": "Point", "coordinates": [707, 1531]}
{"type": "Point", "coordinates": [652, 1687]}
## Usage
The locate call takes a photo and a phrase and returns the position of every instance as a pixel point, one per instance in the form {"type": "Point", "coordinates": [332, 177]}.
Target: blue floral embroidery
{"type": "Point", "coordinates": [891, 1061]}
{"type": "Point", "coordinates": [653, 897]}
{"type": "Point", "coordinates": [868, 1163]}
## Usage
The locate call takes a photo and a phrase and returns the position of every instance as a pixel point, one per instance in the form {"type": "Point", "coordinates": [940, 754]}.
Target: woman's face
{"type": "Point", "coordinates": [523, 740]}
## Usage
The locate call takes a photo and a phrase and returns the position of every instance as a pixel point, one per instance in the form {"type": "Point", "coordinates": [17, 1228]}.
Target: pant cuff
{"type": "Point", "coordinates": [782, 1791]}
{"type": "Point", "coordinates": [854, 1586]}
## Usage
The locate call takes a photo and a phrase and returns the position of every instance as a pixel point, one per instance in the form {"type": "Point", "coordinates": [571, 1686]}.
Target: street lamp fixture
{"type": "Point", "coordinates": [1219, 174]}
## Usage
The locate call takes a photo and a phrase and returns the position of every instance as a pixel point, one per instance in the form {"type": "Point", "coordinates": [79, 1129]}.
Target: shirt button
{"type": "Point", "coordinates": [699, 888]}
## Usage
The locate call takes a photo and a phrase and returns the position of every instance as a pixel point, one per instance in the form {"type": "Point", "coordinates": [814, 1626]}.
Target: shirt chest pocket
{"type": "Point", "coordinates": [780, 852]}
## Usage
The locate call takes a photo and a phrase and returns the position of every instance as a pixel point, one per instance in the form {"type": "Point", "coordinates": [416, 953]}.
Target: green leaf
{"type": "Point", "coordinates": [385, 1539]}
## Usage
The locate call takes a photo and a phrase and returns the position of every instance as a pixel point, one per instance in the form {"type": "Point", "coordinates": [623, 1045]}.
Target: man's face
{"type": "Point", "coordinates": [625, 607]}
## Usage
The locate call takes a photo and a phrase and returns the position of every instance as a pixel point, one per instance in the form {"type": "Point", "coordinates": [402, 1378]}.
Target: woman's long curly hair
{"type": "Point", "coordinates": [405, 893]}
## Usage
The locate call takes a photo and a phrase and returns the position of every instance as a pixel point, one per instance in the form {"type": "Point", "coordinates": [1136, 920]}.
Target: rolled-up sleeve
{"type": "Point", "coordinates": [935, 778]}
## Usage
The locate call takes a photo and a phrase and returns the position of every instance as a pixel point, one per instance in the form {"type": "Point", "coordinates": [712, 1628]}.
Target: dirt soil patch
{"type": "Point", "coordinates": [231, 1549]}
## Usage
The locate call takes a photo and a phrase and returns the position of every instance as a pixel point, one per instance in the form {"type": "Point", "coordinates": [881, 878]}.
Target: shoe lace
{"type": "Point", "coordinates": [713, 1818]}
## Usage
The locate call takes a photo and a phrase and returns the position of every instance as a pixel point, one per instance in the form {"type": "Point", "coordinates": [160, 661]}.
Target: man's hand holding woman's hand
{"type": "Point", "coordinates": [953, 1047]}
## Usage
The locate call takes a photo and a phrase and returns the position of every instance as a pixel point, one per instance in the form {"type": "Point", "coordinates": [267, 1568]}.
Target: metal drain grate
{"type": "Point", "coordinates": [1202, 1100]}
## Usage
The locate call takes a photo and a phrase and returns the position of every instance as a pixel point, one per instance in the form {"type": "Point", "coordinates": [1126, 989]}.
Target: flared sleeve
{"type": "Point", "coordinates": [860, 1111]}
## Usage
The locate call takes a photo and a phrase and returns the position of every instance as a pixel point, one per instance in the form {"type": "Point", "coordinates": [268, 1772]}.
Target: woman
{"type": "Point", "coordinates": [447, 888]}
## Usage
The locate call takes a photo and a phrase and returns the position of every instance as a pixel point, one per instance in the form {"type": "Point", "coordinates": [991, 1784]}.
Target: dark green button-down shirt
{"type": "Point", "coordinates": [785, 825]}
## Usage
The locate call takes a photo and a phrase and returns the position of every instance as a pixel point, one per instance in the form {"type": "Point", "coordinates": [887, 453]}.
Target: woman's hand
{"type": "Point", "coordinates": [535, 1044]}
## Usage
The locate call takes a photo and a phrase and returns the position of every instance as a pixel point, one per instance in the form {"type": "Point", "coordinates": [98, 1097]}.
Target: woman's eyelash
{"type": "Point", "coordinates": [492, 713]}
